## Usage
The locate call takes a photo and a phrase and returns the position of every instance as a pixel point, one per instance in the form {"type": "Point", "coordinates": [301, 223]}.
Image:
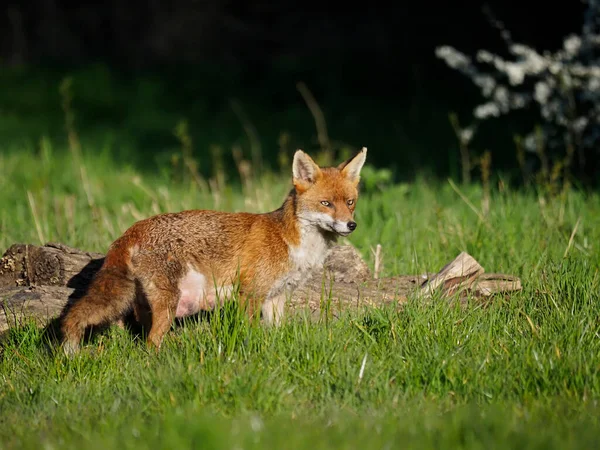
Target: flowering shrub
{"type": "Point", "coordinates": [563, 86]}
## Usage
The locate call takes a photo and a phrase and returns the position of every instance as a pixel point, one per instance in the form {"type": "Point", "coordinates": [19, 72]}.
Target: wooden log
{"type": "Point", "coordinates": [464, 276]}
{"type": "Point", "coordinates": [36, 282]}
{"type": "Point", "coordinates": [39, 304]}
{"type": "Point", "coordinates": [49, 265]}
{"type": "Point", "coordinates": [454, 276]}
{"type": "Point", "coordinates": [489, 284]}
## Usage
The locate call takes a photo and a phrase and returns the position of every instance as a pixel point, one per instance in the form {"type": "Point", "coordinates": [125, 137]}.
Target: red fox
{"type": "Point", "coordinates": [177, 264]}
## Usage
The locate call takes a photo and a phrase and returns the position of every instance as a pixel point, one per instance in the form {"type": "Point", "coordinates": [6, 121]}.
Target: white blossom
{"type": "Point", "coordinates": [501, 96]}
{"type": "Point", "coordinates": [486, 83]}
{"type": "Point", "coordinates": [453, 57]}
{"type": "Point", "coordinates": [530, 142]}
{"type": "Point", "coordinates": [580, 123]}
{"type": "Point", "coordinates": [542, 92]}
{"type": "Point", "coordinates": [486, 110]}
{"type": "Point", "coordinates": [572, 45]}
{"type": "Point", "coordinates": [534, 62]}
{"type": "Point", "coordinates": [564, 85]}
{"type": "Point", "coordinates": [466, 134]}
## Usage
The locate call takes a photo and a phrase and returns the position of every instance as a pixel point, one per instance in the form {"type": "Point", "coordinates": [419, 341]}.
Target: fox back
{"type": "Point", "coordinates": [178, 264]}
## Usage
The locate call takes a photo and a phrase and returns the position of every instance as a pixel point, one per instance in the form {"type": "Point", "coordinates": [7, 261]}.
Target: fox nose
{"type": "Point", "coordinates": [351, 225]}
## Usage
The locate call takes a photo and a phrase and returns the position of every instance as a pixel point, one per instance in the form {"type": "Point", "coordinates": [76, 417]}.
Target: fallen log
{"type": "Point", "coordinates": [37, 282]}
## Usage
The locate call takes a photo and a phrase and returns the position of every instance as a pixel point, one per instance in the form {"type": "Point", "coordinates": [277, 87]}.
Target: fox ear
{"type": "Point", "coordinates": [305, 171]}
{"type": "Point", "coordinates": [351, 168]}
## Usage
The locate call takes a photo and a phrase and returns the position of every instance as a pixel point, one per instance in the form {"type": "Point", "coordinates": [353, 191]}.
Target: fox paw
{"type": "Point", "coordinates": [70, 348]}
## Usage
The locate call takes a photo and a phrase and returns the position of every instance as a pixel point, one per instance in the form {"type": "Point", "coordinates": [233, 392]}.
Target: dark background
{"type": "Point", "coordinates": [138, 68]}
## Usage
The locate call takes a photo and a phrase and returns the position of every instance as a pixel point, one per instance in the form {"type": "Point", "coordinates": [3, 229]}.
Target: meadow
{"type": "Point", "coordinates": [520, 371]}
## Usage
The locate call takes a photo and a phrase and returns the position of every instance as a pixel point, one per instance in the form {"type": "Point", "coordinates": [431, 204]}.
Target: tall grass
{"type": "Point", "coordinates": [520, 371]}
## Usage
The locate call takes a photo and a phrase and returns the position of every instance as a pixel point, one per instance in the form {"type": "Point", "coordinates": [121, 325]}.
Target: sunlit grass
{"type": "Point", "coordinates": [521, 371]}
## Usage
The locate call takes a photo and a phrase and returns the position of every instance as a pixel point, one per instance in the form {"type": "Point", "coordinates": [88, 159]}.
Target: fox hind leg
{"type": "Point", "coordinates": [162, 296]}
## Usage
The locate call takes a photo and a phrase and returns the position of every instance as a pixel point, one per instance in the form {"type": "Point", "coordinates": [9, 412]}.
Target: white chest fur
{"type": "Point", "coordinates": [309, 254]}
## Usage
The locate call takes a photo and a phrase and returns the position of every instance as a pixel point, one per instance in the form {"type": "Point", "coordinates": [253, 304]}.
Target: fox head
{"type": "Point", "coordinates": [326, 197]}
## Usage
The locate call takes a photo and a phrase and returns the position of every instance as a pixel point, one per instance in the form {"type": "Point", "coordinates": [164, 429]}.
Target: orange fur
{"type": "Point", "coordinates": [177, 264]}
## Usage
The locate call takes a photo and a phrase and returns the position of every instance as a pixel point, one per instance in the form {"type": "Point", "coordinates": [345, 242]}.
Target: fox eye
{"type": "Point", "coordinates": [325, 203]}
{"type": "Point", "coordinates": [350, 202]}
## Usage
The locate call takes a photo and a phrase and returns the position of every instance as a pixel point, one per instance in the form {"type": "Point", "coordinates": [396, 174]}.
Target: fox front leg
{"type": "Point", "coordinates": [273, 309]}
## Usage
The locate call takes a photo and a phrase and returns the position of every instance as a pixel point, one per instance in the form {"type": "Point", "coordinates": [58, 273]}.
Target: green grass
{"type": "Point", "coordinates": [517, 372]}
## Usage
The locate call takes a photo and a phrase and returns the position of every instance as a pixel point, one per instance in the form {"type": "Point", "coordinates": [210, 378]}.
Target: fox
{"type": "Point", "coordinates": [174, 265]}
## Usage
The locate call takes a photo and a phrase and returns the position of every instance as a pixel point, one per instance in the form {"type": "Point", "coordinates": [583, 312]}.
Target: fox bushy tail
{"type": "Point", "coordinates": [109, 297]}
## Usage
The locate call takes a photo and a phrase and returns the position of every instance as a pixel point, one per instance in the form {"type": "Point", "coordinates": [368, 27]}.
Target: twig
{"type": "Point", "coordinates": [38, 225]}
{"type": "Point", "coordinates": [463, 137]}
{"type": "Point", "coordinates": [485, 163]}
{"type": "Point", "coordinates": [317, 114]}
{"type": "Point", "coordinates": [377, 255]}
{"type": "Point", "coordinates": [497, 24]}
{"type": "Point", "coordinates": [362, 368]}
{"type": "Point", "coordinates": [250, 130]}
{"type": "Point", "coordinates": [572, 237]}
{"type": "Point", "coordinates": [467, 201]}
